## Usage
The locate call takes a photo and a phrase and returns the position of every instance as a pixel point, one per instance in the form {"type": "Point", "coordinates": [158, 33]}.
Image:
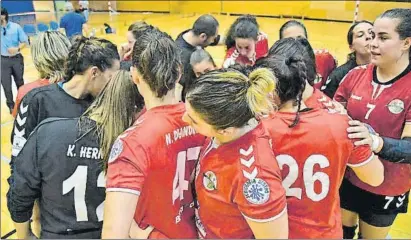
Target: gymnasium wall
{"type": "Point", "coordinates": [44, 11]}
{"type": "Point", "coordinates": [332, 10]}
{"type": "Point", "coordinates": [16, 7]}
{"type": "Point", "coordinates": [21, 12]}
{"type": "Point", "coordinates": [101, 5]}
{"type": "Point", "coordinates": [152, 6]}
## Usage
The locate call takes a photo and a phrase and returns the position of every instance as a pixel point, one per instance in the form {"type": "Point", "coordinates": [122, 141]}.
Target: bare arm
{"type": "Point", "coordinates": [119, 211]}
{"type": "Point", "coordinates": [371, 173]}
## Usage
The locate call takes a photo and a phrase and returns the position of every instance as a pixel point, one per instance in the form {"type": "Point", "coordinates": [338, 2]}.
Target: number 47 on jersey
{"type": "Point", "coordinates": [180, 184]}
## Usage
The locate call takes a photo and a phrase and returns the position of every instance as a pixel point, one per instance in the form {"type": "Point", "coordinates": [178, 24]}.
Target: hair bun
{"type": "Point", "coordinates": [288, 61]}
{"type": "Point", "coordinates": [293, 59]}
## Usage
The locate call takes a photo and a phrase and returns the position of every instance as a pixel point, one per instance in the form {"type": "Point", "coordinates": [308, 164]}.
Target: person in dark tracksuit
{"type": "Point", "coordinates": [358, 38]}
{"type": "Point", "coordinates": [89, 66]}
{"type": "Point", "coordinates": [90, 63]}
{"type": "Point", "coordinates": [67, 174]}
{"type": "Point", "coordinates": [13, 40]}
{"type": "Point", "coordinates": [204, 33]}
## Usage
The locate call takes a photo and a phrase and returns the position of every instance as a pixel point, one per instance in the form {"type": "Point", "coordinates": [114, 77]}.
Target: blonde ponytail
{"type": "Point", "coordinates": [121, 96]}
{"type": "Point", "coordinates": [227, 98]}
{"type": "Point", "coordinates": [262, 84]}
{"type": "Point", "coordinates": [49, 52]}
{"type": "Point", "coordinates": [56, 76]}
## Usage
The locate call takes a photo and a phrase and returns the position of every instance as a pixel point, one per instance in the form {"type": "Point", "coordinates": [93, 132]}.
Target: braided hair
{"type": "Point", "coordinates": [290, 70]}
{"type": "Point", "coordinates": [88, 52]}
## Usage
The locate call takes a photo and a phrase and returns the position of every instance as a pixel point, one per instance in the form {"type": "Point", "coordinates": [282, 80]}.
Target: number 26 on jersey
{"type": "Point", "coordinates": [309, 177]}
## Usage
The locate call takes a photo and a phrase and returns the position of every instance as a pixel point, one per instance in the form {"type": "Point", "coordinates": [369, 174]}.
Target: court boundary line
{"type": "Point", "coordinates": [9, 234]}
{"type": "Point", "coordinates": [7, 123]}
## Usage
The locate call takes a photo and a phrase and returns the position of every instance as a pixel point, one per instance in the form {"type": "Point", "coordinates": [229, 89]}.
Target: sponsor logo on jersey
{"type": "Point", "coordinates": [256, 191]}
{"type": "Point", "coordinates": [210, 181]}
{"type": "Point", "coordinates": [356, 97]}
{"type": "Point", "coordinates": [115, 150]}
{"type": "Point", "coordinates": [396, 106]}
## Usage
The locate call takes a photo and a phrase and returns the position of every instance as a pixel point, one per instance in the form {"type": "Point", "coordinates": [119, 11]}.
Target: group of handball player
{"type": "Point", "coordinates": [152, 139]}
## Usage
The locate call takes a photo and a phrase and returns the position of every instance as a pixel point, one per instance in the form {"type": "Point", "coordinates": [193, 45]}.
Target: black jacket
{"type": "Point", "coordinates": [61, 166]}
{"type": "Point", "coordinates": [39, 104]}
{"type": "Point", "coordinates": [336, 76]}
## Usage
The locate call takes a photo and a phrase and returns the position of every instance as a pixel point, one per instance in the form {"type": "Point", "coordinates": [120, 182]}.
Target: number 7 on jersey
{"type": "Point", "coordinates": [370, 107]}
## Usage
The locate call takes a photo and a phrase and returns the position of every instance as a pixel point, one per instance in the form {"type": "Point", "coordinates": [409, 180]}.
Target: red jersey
{"type": "Point", "coordinates": [325, 64]}
{"type": "Point", "coordinates": [23, 90]}
{"type": "Point", "coordinates": [155, 159]}
{"type": "Point", "coordinates": [238, 181]}
{"type": "Point", "coordinates": [312, 172]}
{"type": "Point", "coordinates": [318, 100]}
{"type": "Point", "coordinates": [387, 108]}
{"type": "Point", "coordinates": [233, 56]}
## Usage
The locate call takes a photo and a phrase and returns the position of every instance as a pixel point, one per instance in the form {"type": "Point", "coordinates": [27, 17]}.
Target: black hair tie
{"type": "Point", "coordinates": [249, 83]}
{"type": "Point", "coordinates": [288, 61]}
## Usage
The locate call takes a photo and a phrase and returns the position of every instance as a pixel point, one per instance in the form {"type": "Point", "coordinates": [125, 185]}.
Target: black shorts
{"type": "Point", "coordinates": [376, 210]}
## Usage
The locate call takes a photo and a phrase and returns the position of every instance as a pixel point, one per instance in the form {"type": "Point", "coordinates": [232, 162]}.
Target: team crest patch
{"type": "Point", "coordinates": [396, 106]}
{"type": "Point", "coordinates": [256, 191]}
{"type": "Point", "coordinates": [210, 181]}
{"type": "Point", "coordinates": [115, 150]}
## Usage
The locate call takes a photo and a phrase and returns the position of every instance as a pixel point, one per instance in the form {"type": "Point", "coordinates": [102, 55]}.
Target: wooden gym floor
{"type": "Point", "coordinates": [329, 35]}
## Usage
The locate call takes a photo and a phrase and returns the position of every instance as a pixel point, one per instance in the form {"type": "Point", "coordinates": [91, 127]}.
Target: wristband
{"type": "Point", "coordinates": [375, 142]}
{"type": "Point", "coordinates": [370, 129]}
